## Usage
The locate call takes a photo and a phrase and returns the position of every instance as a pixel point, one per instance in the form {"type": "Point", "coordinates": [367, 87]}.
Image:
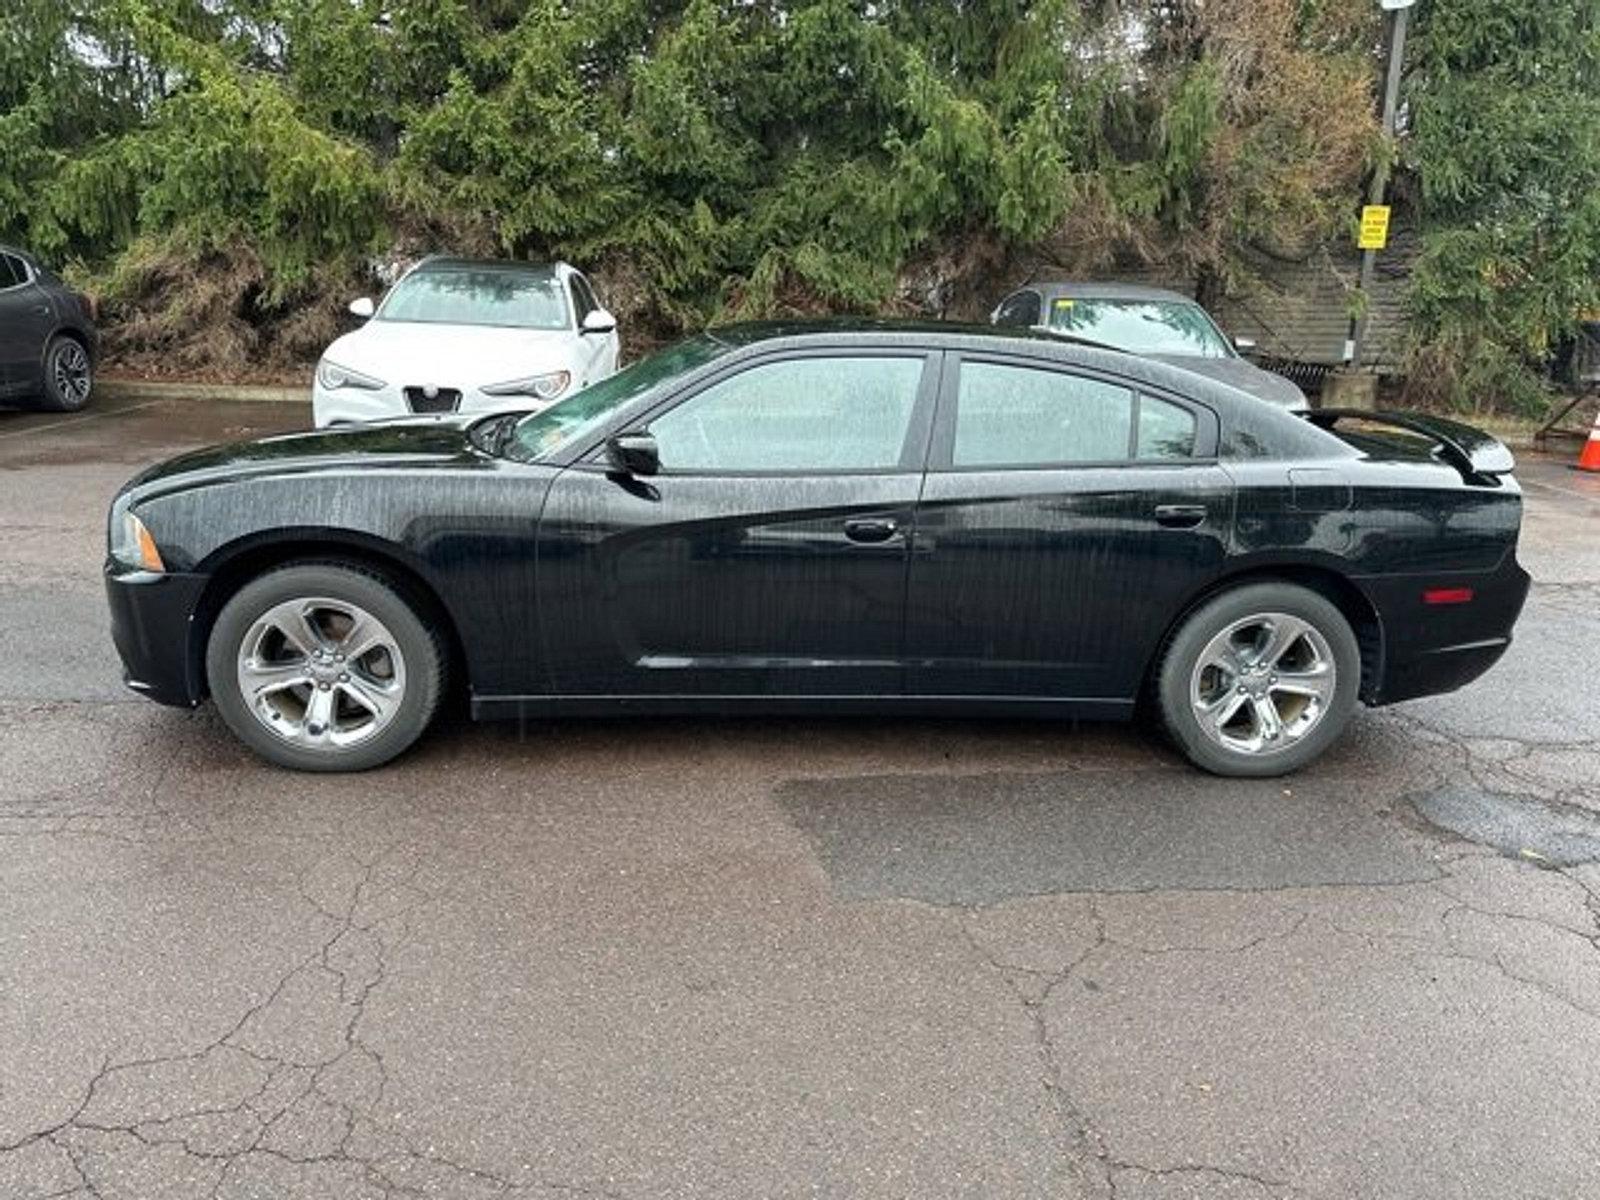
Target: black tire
{"type": "Point", "coordinates": [68, 375]}
{"type": "Point", "coordinates": [1176, 676]}
{"type": "Point", "coordinates": [420, 646]}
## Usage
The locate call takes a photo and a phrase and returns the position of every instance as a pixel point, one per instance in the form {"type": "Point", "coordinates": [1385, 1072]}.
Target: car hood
{"type": "Point", "coordinates": [403, 442]}
{"type": "Point", "coordinates": [416, 353]}
{"type": "Point", "coordinates": [1244, 375]}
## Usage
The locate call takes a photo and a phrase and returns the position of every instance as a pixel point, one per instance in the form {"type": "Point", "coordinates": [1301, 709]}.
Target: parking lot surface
{"type": "Point", "coordinates": [748, 958]}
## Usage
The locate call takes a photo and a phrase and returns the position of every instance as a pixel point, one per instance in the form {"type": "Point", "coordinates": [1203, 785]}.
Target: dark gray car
{"type": "Point", "coordinates": [47, 337]}
{"type": "Point", "coordinates": [1148, 321]}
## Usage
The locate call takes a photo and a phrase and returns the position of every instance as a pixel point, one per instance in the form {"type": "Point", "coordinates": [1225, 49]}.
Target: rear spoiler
{"type": "Point", "coordinates": [1471, 451]}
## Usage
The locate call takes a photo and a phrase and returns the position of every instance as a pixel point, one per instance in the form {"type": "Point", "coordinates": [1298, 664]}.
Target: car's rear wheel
{"type": "Point", "coordinates": [68, 375]}
{"type": "Point", "coordinates": [324, 667]}
{"type": "Point", "coordinates": [1259, 680]}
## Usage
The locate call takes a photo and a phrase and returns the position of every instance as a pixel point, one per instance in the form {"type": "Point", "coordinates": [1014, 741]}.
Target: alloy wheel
{"type": "Point", "coordinates": [69, 370]}
{"type": "Point", "coordinates": [1263, 683]}
{"type": "Point", "coordinates": [321, 673]}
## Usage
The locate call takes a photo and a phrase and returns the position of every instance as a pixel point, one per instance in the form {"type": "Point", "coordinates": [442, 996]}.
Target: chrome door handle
{"type": "Point", "coordinates": [871, 530]}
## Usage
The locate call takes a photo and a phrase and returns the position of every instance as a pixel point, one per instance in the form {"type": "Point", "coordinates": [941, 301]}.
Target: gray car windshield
{"type": "Point", "coordinates": [510, 299]}
{"type": "Point", "coordinates": [1140, 326]}
{"type": "Point", "coordinates": [543, 433]}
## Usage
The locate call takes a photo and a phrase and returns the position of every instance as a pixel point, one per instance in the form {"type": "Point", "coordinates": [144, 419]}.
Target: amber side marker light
{"type": "Point", "coordinates": [1447, 596]}
{"type": "Point", "coordinates": [136, 538]}
{"type": "Point", "coordinates": [151, 557]}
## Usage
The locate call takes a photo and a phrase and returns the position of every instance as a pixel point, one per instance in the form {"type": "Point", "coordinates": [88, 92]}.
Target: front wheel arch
{"type": "Point", "coordinates": [233, 567]}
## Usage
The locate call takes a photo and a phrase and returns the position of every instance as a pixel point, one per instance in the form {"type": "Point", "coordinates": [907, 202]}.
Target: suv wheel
{"type": "Point", "coordinates": [68, 375]}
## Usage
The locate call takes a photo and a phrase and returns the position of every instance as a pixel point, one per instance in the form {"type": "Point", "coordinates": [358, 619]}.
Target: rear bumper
{"type": "Point", "coordinates": [1431, 649]}
{"type": "Point", "coordinates": [1441, 670]}
{"type": "Point", "coordinates": [151, 619]}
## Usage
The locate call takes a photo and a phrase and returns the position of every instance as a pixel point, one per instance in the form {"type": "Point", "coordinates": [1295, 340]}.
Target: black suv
{"type": "Point", "coordinates": [47, 337]}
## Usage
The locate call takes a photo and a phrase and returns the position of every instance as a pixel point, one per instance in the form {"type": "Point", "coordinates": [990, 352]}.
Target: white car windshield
{"type": "Point", "coordinates": [488, 296]}
{"type": "Point", "coordinates": [1140, 326]}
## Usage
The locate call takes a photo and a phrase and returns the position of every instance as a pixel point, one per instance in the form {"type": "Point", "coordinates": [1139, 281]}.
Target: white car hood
{"type": "Point", "coordinates": [417, 353]}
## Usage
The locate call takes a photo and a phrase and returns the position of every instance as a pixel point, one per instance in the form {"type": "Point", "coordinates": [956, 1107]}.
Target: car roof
{"type": "Point", "coordinates": [1107, 290]}
{"type": "Point", "coordinates": [748, 333]}
{"type": "Point", "coordinates": [1279, 431]}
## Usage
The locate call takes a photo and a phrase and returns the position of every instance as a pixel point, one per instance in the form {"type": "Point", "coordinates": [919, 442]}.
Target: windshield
{"type": "Point", "coordinates": [1141, 326]}
{"type": "Point", "coordinates": [543, 433]}
{"type": "Point", "coordinates": [512, 299]}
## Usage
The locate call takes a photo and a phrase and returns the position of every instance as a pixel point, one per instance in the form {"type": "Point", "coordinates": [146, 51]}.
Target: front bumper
{"type": "Point", "coordinates": [152, 619]}
{"type": "Point", "coordinates": [354, 405]}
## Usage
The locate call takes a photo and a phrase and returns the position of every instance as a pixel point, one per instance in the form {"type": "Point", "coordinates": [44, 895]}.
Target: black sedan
{"type": "Point", "coordinates": [47, 337]}
{"type": "Point", "coordinates": [834, 518]}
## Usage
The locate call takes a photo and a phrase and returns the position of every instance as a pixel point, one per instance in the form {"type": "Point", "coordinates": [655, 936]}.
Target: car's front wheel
{"type": "Point", "coordinates": [324, 667]}
{"type": "Point", "coordinates": [68, 375]}
{"type": "Point", "coordinates": [1259, 680]}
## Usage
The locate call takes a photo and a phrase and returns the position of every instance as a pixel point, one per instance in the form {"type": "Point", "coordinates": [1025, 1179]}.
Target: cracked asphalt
{"type": "Point", "coordinates": [783, 958]}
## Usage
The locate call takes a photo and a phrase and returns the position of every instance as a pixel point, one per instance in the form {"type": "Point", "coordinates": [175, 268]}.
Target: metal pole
{"type": "Point", "coordinates": [1380, 177]}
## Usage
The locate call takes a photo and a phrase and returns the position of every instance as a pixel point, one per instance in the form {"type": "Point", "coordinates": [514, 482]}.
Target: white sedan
{"type": "Point", "coordinates": [465, 335]}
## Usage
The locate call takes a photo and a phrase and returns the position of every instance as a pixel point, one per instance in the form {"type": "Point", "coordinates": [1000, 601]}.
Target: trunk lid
{"type": "Point", "coordinates": [1480, 457]}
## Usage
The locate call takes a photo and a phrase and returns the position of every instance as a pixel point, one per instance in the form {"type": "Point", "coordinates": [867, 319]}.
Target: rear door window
{"type": "Point", "coordinates": [1010, 415]}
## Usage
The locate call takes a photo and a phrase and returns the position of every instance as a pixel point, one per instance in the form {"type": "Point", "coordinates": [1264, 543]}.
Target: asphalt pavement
{"type": "Point", "coordinates": [763, 958]}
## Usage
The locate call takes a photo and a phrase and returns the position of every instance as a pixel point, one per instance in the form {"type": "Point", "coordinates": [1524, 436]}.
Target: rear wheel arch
{"type": "Point", "coordinates": [230, 568]}
{"type": "Point", "coordinates": [1351, 601]}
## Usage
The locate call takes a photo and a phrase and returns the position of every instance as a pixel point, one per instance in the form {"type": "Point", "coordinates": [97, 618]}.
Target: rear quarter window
{"type": "Point", "coordinates": [1167, 431]}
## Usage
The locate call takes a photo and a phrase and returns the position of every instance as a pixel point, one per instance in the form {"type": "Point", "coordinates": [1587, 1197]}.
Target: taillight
{"type": "Point", "coordinates": [1455, 595]}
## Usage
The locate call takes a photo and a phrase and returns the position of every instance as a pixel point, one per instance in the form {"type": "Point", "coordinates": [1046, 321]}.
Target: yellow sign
{"type": "Point", "coordinates": [1374, 227]}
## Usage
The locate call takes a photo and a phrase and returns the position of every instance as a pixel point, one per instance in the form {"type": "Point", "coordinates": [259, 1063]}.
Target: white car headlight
{"type": "Point", "coordinates": [540, 387]}
{"type": "Point", "coordinates": [333, 377]}
{"type": "Point", "coordinates": [130, 543]}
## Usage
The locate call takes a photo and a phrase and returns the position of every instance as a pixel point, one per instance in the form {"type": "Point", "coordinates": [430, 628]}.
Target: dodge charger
{"type": "Point", "coordinates": [848, 517]}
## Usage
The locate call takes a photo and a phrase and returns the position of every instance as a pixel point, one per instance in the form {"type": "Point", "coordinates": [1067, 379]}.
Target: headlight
{"type": "Point", "coordinates": [130, 542]}
{"type": "Point", "coordinates": [540, 387]}
{"type": "Point", "coordinates": [333, 377]}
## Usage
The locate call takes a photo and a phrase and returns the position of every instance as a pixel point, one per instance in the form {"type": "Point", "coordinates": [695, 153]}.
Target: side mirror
{"type": "Point", "coordinates": [634, 454]}
{"type": "Point", "coordinates": [363, 308]}
{"type": "Point", "coordinates": [1245, 346]}
{"type": "Point", "coordinates": [598, 320]}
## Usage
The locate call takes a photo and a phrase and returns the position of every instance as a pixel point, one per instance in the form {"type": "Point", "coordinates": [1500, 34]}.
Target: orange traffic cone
{"type": "Point", "coordinates": [1589, 460]}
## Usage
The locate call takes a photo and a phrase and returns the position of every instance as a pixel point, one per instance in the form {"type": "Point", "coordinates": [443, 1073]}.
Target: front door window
{"type": "Point", "coordinates": [798, 415]}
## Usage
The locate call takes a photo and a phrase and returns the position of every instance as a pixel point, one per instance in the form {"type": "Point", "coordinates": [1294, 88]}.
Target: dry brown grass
{"type": "Point", "coordinates": [176, 313]}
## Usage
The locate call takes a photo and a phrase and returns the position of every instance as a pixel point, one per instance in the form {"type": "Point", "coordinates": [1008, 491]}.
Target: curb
{"type": "Point", "coordinates": [157, 389]}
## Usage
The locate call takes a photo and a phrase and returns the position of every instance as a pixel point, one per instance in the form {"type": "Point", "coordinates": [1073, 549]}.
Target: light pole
{"type": "Point", "coordinates": [1375, 217]}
